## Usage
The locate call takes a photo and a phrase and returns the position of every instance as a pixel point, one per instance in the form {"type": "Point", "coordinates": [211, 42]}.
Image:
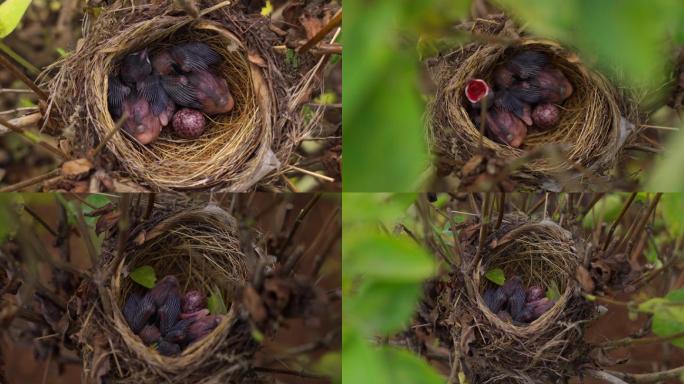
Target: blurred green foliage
{"type": "Point", "coordinates": [381, 282]}
{"type": "Point", "coordinates": [632, 41]}
{"type": "Point", "coordinates": [11, 12]}
{"type": "Point", "coordinates": [384, 138]}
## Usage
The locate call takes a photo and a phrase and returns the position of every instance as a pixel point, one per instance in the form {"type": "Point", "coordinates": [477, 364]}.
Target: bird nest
{"type": "Point", "coordinates": [492, 350]}
{"type": "Point", "coordinates": [586, 141]}
{"type": "Point", "coordinates": [238, 150]}
{"type": "Point", "coordinates": [200, 247]}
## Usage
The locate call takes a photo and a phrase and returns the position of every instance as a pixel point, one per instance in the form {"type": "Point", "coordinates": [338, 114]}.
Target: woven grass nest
{"type": "Point", "coordinates": [200, 247]}
{"type": "Point", "coordinates": [587, 140]}
{"type": "Point", "coordinates": [238, 149]}
{"type": "Point", "coordinates": [492, 350]}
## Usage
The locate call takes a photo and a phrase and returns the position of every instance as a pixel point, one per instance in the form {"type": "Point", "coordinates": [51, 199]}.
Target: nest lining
{"type": "Point", "coordinates": [589, 130]}
{"type": "Point", "coordinates": [492, 350]}
{"type": "Point", "coordinates": [238, 149]}
{"type": "Point", "coordinates": [201, 248]}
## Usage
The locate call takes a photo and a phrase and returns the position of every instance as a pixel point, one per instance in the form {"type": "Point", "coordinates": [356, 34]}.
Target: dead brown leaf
{"type": "Point", "coordinates": [76, 169]}
{"type": "Point", "coordinates": [585, 280]}
{"type": "Point", "coordinates": [254, 304]}
{"type": "Point", "coordinates": [256, 59]}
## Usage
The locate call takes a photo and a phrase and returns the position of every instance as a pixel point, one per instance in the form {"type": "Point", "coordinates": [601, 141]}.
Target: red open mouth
{"type": "Point", "coordinates": [476, 90]}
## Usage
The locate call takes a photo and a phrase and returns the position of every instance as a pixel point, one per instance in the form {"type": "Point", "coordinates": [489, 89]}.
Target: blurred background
{"type": "Point", "coordinates": [637, 44]}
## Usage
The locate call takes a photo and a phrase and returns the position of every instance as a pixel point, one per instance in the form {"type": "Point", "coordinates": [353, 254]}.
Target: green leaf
{"type": "Point", "coordinates": [330, 365]}
{"type": "Point", "coordinates": [394, 259]}
{"type": "Point", "coordinates": [144, 276]}
{"type": "Point", "coordinates": [553, 292]}
{"type": "Point", "coordinates": [215, 303]}
{"type": "Point", "coordinates": [11, 207]}
{"type": "Point", "coordinates": [383, 307]}
{"type": "Point", "coordinates": [667, 176]}
{"type": "Point", "coordinates": [672, 206]}
{"type": "Point", "coordinates": [664, 326]}
{"type": "Point", "coordinates": [11, 12]}
{"type": "Point", "coordinates": [405, 367]}
{"type": "Point", "coordinates": [496, 276]}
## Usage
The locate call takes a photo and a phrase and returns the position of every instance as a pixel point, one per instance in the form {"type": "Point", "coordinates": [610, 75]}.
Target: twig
{"type": "Point", "coordinates": [40, 221]}
{"type": "Point", "coordinates": [33, 139]}
{"type": "Point", "coordinates": [289, 184]}
{"type": "Point", "coordinates": [298, 221]}
{"type": "Point", "coordinates": [618, 220]}
{"type": "Point", "coordinates": [301, 373]}
{"type": "Point", "coordinates": [26, 183]}
{"type": "Point", "coordinates": [21, 76]}
{"type": "Point", "coordinates": [648, 377]}
{"type": "Point", "coordinates": [314, 174]}
{"type": "Point", "coordinates": [484, 226]}
{"type": "Point", "coordinates": [335, 22]}
{"type": "Point", "coordinates": [640, 341]}
{"type": "Point", "coordinates": [603, 375]}
{"type": "Point", "coordinates": [111, 134]}
{"type": "Point", "coordinates": [24, 63]}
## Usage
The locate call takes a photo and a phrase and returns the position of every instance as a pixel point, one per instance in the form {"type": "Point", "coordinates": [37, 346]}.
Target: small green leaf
{"type": "Point", "coordinates": [11, 12]}
{"type": "Point", "coordinates": [215, 302]}
{"type": "Point", "coordinates": [144, 276]}
{"type": "Point", "coordinates": [257, 335]}
{"type": "Point", "coordinates": [664, 325]}
{"type": "Point", "coordinates": [553, 292]}
{"type": "Point", "coordinates": [330, 365]}
{"type": "Point", "coordinates": [496, 276]}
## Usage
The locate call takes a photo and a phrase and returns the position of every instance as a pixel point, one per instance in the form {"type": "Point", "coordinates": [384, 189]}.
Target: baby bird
{"type": "Point", "coordinates": [552, 84]}
{"type": "Point", "coordinates": [506, 127]}
{"type": "Point", "coordinates": [137, 311]}
{"type": "Point", "coordinates": [188, 79]}
{"type": "Point", "coordinates": [116, 95]}
{"type": "Point", "coordinates": [146, 104]}
{"type": "Point", "coordinates": [527, 64]}
{"type": "Point", "coordinates": [202, 327]}
{"type": "Point", "coordinates": [203, 90]}
{"type": "Point", "coordinates": [193, 56]}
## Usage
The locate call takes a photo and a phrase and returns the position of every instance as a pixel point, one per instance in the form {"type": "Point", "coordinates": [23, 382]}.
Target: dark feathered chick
{"type": "Point", "coordinates": [527, 64]}
{"type": "Point", "coordinates": [135, 67]}
{"type": "Point", "coordinates": [516, 303]}
{"type": "Point", "coordinates": [116, 94]}
{"type": "Point", "coordinates": [179, 332]}
{"type": "Point", "coordinates": [193, 56]}
{"type": "Point", "coordinates": [137, 311]}
{"type": "Point", "coordinates": [495, 299]}
{"type": "Point", "coordinates": [150, 334]}
{"type": "Point", "coordinates": [167, 348]}
{"type": "Point", "coordinates": [514, 100]}
{"type": "Point", "coordinates": [552, 85]}
{"type": "Point", "coordinates": [163, 288]}
{"type": "Point", "coordinates": [161, 104]}
{"type": "Point", "coordinates": [202, 327]}
{"type": "Point", "coordinates": [203, 90]}
{"type": "Point", "coordinates": [169, 312]}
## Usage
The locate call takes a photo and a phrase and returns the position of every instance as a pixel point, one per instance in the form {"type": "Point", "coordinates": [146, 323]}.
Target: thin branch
{"type": "Point", "coordinates": [21, 76]}
{"type": "Point", "coordinates": [618, 220]}
{"type": "Point", "coordinates": [40, 221]}
{"type": "Point", "coordinates": [35, 180]}
{"type": "Point", "coordinates": [654, 377]}
{"type": "Point", "coordinates": [298, 221]}
{"type": "Point", "coordinates": [34, 139]}
{"type": "Point", "coordinates": [603, 375]}
{"type": "Point", "coordinates": [640, 341]}
{"type": "Point", "coordinates": [335, 22]}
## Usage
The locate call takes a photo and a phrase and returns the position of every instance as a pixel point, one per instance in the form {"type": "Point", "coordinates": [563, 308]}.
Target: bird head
{"type": "Point", "coordinates": [476, 90]}
{"type": "Point", "coordinates": [135, 67]}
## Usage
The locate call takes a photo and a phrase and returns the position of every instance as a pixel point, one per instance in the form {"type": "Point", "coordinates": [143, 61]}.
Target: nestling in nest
{"type": "Point", "coordinates": [512, 334]}
{"type": "Point", "coordinates": [245, 139]}
{"type": "Point", "coordinates": [579, 132]}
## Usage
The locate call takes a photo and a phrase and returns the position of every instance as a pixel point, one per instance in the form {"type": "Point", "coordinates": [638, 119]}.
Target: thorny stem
{"type": "Point", "coordinates": [640, 224]}
{"type": "Point", "coordinates": [35, 180]}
